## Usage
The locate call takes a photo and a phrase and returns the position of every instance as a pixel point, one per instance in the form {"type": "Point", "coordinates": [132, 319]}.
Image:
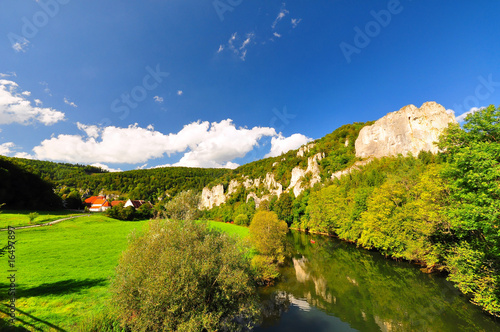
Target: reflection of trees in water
{"type": "Point", "coordinates": [274, 305]}
{"type": "Point", "coordinates": [372, 293]}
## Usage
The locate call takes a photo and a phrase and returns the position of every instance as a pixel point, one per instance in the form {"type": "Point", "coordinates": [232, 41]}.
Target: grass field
{"type": "Point", "coordinates": [17, 218]}
{"type": "Point", "coordinates": [64, 270]}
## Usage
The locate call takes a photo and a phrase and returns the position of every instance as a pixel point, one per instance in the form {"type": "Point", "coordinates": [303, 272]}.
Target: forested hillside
{"type": "Point", "coordinates": [442, 211]}
{"type": "Point", "coordinates": [21, 189]}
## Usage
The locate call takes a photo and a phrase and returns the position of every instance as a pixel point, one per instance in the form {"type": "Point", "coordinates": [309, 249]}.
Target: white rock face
{"type": "Point", "coordinates": [212, 197]}
{"type": "Point", "coordinates": [298, 173]}
{"type": "Point", "coordinates": [233, 186]}
{"type": "Point", "coordinates": [410, 129]}
{"type": "Point", "coordinates": [356, 166]}
{"type": "Point", "coordinates": [303, 150]}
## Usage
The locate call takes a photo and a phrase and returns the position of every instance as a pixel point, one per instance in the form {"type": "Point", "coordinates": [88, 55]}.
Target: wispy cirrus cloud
{"type": "Point", "coordinates": [70, 103]}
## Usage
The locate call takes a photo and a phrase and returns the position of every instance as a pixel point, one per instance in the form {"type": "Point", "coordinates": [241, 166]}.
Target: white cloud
{"type": "Point", "coordinates": [12, 73]}
{"type": "Point", "coordinates": [283, 12]}
{"type": "Point", "coordinates": [23, 155]}
{"type": "Point", "coordinates": [158, 99]}
{"type": "Point", "coordinates": [241, 50]}
{"type": "Point", "coordinates": [46, 88]}
{"type": "Point", "coordinates": [8, 149]}
{"type": "Point", "coordinates": [5, 148]}
{"type": "Point", "coordinates": [38, 102]}
{"type": "Point", "coordinates": [70, 103]}
{"type": "Point", "coordinates": [21, 45]}
{"type": "Point", "coordinates": [283, 144]}
{"type": "Point", "coordinates": [106, 167]}
{"type": "Point", "coordinates": [142, 167]}
{"type": "Point", "coordinates": [277, 35]}
{"type": "Point", "coordinates": [15, 108]}
{"type": "Point", "coordinates": [461, 117]}
{"type": "Point", "coordinates": [204, 144]}
{"type": "Point", "coordinates": [295, 22]}
{"type": "Point", "coordinates": [26, 93]}
{"type": "Point", "coordinates": [179, 92]}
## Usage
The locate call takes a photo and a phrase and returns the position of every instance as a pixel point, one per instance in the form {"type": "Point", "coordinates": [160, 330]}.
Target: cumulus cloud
{"type": "Point", "coordinates": [204, 144]}
{"type": "Point", "coordinates": [70, 103]}
{"type": "Point", "coordinates": [26, 93]}
{"type": "Point", "coordinates": [24, 155]}
{"type": "Point", "coordinates": [461, 117]}
{"type": "Point", "coordinates": [106, 167]}
{"type": "Point", "coordinates": [158, 99]}
{"type": "Point", "coordinates": [15, 108]}
{"type": "Point", "coordinates": [283, 144]}
{"type": "Point", "coordinates": [179, 92]}
{"type": "Point", "coordinates": [277, 35]}
{"type": "Point", "coordinates": [5, 148]}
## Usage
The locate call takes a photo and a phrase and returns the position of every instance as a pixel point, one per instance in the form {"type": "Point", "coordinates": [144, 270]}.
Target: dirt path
{"type": "Point", "coordinates": [48, 223]}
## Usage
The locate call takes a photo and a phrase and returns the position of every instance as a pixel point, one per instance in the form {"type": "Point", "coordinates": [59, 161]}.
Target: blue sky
{"type": "Point", "coordinates": [131, 84]}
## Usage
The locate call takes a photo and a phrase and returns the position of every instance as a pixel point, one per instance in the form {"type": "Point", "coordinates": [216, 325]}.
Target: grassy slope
{"type": "Point", "coordinates": [64, 270]}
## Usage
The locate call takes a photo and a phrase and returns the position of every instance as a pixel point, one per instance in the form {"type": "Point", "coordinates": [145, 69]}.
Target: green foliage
{"type": "Point", "coordinates": [284, 208]}
{"type": "Point", "coordinates": [473, 174]}
{"type": "Point", "coordinates": [184, 206]}
{"type": "Point", "coordinates": [21, 189]}
{"type": "Point", "coordinates": [241, 219]}
{"type": "Point", "coordinates": [32, 216]}
{"type": "Point", "coordinates": [129, 213]}
{"type": "Point", "coordinates": [268, 235]}
{"type": "Point", "coordinates": [184, 276]}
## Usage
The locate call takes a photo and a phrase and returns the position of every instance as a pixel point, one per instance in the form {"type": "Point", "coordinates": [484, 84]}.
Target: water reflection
{"type": "Point", "coordinates": [334, 286]}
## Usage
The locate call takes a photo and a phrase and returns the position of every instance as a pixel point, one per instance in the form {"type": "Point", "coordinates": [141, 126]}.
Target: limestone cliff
{"type": "Point", "coordinates": [410, 129]}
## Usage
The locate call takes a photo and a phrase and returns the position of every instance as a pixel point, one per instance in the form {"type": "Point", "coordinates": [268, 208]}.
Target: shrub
{"type": "Point", "coordinates": [32, 216]}
{"type": "Point", "coordinates": [241, 220]}
{"type": "Point", "coordinates": [184, 276]}
{"type": "Point", "coordinates": [268, 235]}
{"type": "Point", "coordinates": [184, 206]}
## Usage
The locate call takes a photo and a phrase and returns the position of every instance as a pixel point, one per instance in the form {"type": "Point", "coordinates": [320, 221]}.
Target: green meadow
{"type": "Point", "coordinates": [18, 218]}
{"type": "Point", "coordinates": [64, 270]}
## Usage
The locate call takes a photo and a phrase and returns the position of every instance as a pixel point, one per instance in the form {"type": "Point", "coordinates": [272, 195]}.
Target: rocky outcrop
{"type": "Point", "coordinates": [409, 130]}
{"type": "Point", "coordinates": [349, 170]}
{"type": "Point", "coordinates": [305, 149]}
{"type": "Point", "coordinates": [212, 197]}
{"type": "Point", "coordinates": [298, 174]}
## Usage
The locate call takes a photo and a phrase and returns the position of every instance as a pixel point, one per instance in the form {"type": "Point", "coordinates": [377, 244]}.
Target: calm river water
{"type": "Point", "coordinates": [331, 285]}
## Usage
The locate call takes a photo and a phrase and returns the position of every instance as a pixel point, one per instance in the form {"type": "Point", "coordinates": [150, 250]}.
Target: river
{"type": "Point", "coordinates": [330, 285]}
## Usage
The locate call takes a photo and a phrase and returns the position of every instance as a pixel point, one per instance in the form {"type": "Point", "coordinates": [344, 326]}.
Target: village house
{"type": "Point", "coordinates": [101, 203]}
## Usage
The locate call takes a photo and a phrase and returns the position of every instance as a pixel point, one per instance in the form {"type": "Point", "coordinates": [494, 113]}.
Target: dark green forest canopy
{"type": "Point", "coordinates": [21, 189]}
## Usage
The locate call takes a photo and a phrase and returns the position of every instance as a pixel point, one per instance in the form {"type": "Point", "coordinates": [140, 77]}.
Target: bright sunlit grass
{"type": "Point", "coordinates": [64, 270]}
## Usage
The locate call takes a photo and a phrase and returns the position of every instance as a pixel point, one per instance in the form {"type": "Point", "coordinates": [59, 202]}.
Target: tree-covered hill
{"type": "Point", "coordinates": [21, 189]}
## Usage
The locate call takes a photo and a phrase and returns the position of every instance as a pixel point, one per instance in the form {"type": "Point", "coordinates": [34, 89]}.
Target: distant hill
{"type": "Point", "coordinates": [21, 189]}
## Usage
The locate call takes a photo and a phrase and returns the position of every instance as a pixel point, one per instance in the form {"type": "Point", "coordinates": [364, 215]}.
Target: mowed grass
{"type": "Point", "coordinates": [64, 271]}
{"type": "Point", "coordinates": [17, 218]}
